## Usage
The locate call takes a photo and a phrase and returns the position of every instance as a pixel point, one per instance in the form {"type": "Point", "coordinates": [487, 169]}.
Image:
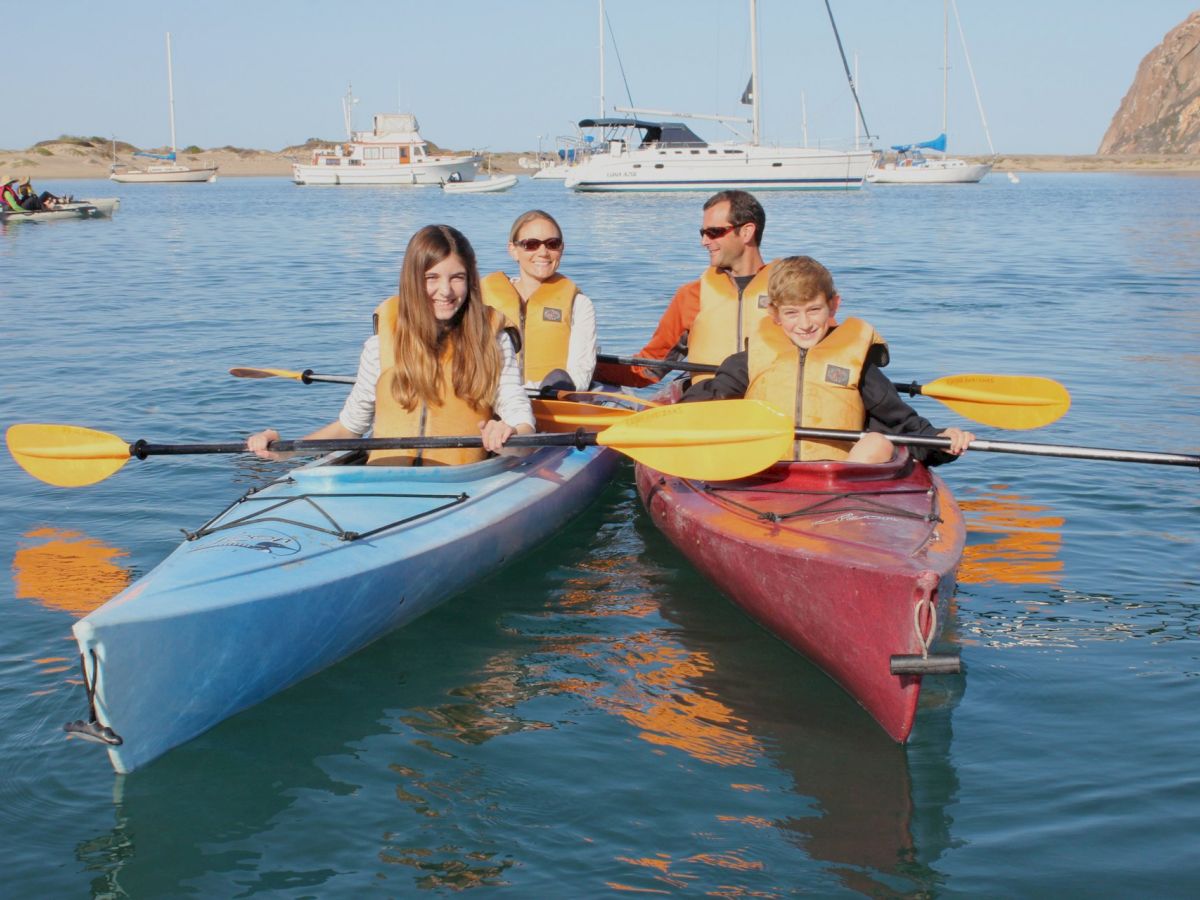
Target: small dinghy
{"type": "Point", "coordinates": [492, 184]}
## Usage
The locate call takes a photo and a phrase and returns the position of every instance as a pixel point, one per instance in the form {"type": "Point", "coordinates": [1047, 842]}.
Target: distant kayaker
{"type": "Point", "coordinates": [441, 363]}
{"type": "Point", "coordinates": [9, 199]}
{"type": "Point", "coordinates": [556, 320]}
{"type": "Point", "coordinates": [32, 201]}
{"type": "Point", "coordinates": [823, 375]}
{"type": "Point", "coordinates": [710, 318]}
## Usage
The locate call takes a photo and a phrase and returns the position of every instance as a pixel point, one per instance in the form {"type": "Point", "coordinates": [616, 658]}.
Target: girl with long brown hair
{"type": "Point", "coordinates": [440, 363]}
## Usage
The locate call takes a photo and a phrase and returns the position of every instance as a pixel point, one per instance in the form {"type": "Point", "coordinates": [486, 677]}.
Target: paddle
{"type": "Point", "coordinates": [307, 376]}
{"type": "Point", "coordinates": [1027, 449]}
{"type": "Point", "coordinates": [679, 440]}
{"type": "Point", "coordinates": [557, 411]}
{"type": "Point", "coordinates": [1014, 402]}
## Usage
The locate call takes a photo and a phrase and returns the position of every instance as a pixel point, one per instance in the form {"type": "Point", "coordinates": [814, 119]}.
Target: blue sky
{"type": "Point", "coordinates": [268, 74]}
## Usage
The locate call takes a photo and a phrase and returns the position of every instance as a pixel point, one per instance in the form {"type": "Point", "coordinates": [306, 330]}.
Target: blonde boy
{"type": "Point", "coordinates": [823, 374]}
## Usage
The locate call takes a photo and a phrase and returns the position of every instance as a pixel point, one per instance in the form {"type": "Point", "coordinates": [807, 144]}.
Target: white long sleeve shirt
{"type": "Point", "coordinates": [511, 403]}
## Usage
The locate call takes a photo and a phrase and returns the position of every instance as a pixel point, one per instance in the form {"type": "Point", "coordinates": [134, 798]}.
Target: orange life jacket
{"type": "Point", "coordinates": [449, 416]}
{"type": "Point", "coordinates": [816, 389]}
{"type": "Point", "coordinates": [544, 321]}
{"type": "Point", "coordinates": [725, 320]}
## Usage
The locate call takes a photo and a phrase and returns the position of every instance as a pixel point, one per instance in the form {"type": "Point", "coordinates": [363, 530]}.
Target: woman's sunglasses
{"type": "Point", "coordinates": [717, 231]}
{"type": "Point", "coordinates": [531, 244]}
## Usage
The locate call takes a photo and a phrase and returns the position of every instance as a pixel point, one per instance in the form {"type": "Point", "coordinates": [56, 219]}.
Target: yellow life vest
{"type": "Point", "coordinates": [725, 321]}
{"type": "Point", "coordinates": [832, 371]}
{"type": "Point", "coordinates": [544, 321]}
{"type": "Point", "coordinates": [449, 416]}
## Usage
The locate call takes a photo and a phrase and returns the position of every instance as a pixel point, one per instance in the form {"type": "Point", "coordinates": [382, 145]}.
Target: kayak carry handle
{"type": "Point", "coordinates": [933, 664]}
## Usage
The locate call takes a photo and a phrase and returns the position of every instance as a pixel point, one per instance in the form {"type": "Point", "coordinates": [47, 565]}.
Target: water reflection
{"type": "Point", "coordinates": [484, 746]}
{"type": "Point", "coordinates": [1011, 540]}
{"type": "Point", "coordinates": [67, 570]}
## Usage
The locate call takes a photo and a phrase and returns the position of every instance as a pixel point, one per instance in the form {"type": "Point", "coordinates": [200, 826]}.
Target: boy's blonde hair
{"type": "Point", "coordinates": [796, 280]}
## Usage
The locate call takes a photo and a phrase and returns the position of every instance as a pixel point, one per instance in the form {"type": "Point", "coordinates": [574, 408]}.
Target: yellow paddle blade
{"type": "Point", "coordinates": [715, 441]}
{"type": "Point", "coordinates": [248, 372]}
{"type": "Point", "coordinates": [1002, 401]}
{"type": "Point", "coordinates": [66, 455]}
{"type": "Point", "coordinates": [557, 416]}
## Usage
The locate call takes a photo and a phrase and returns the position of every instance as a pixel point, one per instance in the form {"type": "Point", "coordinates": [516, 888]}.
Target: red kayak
{"type": "Point", "coordinates": [853, 565]}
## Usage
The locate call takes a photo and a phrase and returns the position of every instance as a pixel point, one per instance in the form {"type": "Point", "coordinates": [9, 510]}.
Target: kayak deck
{"type": "Point", "coordinates": [849, 564]}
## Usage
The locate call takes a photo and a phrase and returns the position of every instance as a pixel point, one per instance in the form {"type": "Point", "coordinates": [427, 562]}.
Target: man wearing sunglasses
{"type": "Point", "coordinates": [712, 317]}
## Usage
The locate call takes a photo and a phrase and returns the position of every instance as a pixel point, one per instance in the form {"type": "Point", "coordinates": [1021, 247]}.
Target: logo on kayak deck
{"type": "Point", "coordinates": [550, 314]}
{"type": "Point", "coordinates": [837, 375]}
{"type": "Point", "coordinates": [270, 542]}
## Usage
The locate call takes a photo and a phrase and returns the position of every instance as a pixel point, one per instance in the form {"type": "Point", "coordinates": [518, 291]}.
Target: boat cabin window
{"type": "Point", "coordinates": [332, 161]}
{"type": "Point", "coordinates": [390, 152]}
{"type": "Point", "coordinates": [370, 153]}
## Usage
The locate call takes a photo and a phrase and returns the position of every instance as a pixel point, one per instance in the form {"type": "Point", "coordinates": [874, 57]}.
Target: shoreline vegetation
{"type": "Point", "coordinates": [79, 157]}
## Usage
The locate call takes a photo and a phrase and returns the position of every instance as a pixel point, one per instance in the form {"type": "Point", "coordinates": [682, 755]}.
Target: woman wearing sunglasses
{"type": "Point", "coordinates": [441, 363]}
{"type": "Point", "coordinates": [556, 321]}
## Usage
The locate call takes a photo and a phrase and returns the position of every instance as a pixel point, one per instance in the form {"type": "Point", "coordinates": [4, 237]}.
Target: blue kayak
{"type": "Point", "coordinates": [298, 575]}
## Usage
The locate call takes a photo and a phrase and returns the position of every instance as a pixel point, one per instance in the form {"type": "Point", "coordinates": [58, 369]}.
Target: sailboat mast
{"type": "Point", "coordinates": [756, 101]}
{"type": "Point", "coordinates": [170, 95]}
{"type": "Point", "coordinates": [971, 71]}
{"type": "Point", "coordinates": [602, 59]}
{"type": "Point", "coordinates": [945, 66]}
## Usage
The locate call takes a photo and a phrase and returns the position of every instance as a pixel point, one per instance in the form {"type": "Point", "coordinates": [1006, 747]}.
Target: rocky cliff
{"type": "Point", "coordinates": [1161, 112]}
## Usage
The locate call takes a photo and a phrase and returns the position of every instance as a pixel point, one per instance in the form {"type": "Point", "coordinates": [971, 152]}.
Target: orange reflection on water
{"type": "Point", "coordinates": [67, 570]}
{"type": "Point", "coordinates": [1027, 543]}
{"type": "Point", "coordinates": [669, 712]}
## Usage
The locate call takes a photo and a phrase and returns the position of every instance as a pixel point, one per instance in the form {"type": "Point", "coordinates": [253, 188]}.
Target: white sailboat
{"type": "Point", "coordinates": [173, 171]}
{"type": "Point", "coordinates": [639, 154]}
{"type": "Point", "coordinates": [911, 166]}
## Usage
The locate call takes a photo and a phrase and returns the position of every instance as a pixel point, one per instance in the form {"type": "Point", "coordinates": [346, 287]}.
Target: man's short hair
{"type": "Point", "coordinates": [743, 209]}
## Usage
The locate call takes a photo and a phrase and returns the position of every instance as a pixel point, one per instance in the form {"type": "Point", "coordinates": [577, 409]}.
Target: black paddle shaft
{"type": "Point", "coordinates": [912, 388]}
{"type": "Point", "coordinates": [578, 439]}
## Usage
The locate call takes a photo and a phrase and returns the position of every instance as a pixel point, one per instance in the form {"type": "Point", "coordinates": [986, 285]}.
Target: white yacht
{"type": "Point", "coordinates": [393, 152]}
{"type": "Point", "coordinates": [637, 154]}
{"type": "Point", "coordinates": [669, 156]}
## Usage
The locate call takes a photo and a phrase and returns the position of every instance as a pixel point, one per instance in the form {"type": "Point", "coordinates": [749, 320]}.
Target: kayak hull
{"type": "Point", "coordinates": [100, 208]}
{"type": "Point", "coordinates": [849, 564]}
{"type": "Point", "coordinates": [303, 573]}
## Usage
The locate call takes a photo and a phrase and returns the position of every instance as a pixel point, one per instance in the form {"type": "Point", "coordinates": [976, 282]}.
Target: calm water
{"type": "Point", "coordinates": [595, 720]}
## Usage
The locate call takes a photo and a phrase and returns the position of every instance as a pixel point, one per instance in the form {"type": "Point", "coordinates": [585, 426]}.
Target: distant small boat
{"type": "Point", "coordinates": [491, 184]}
{"type": "Point", "coordinates": [173, 172]}
{"type": "Point", "coordinates": [100, 208]}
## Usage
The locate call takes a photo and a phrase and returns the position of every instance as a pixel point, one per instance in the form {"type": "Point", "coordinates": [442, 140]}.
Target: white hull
{"type": "Point", "coordinates": [932, 171]}
{"type": "Point", "coordinates": [427, 172]}
{"type": "Point", "coordinates": [165, 174]}
{"type": "Point", "coordinates": [490, 185]}
{"type": "Point", "coordinates": [721, 167]}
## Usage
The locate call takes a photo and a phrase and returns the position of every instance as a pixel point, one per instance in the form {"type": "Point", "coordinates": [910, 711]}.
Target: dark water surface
{"type": "Point", "coordinates": [595, 720]}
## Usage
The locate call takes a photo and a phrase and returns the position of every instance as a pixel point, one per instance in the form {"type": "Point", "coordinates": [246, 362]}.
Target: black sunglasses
{"type": "Point", "coordinates": [531, 244]}
{"type": "Point", "coordinates": [717, 231]}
